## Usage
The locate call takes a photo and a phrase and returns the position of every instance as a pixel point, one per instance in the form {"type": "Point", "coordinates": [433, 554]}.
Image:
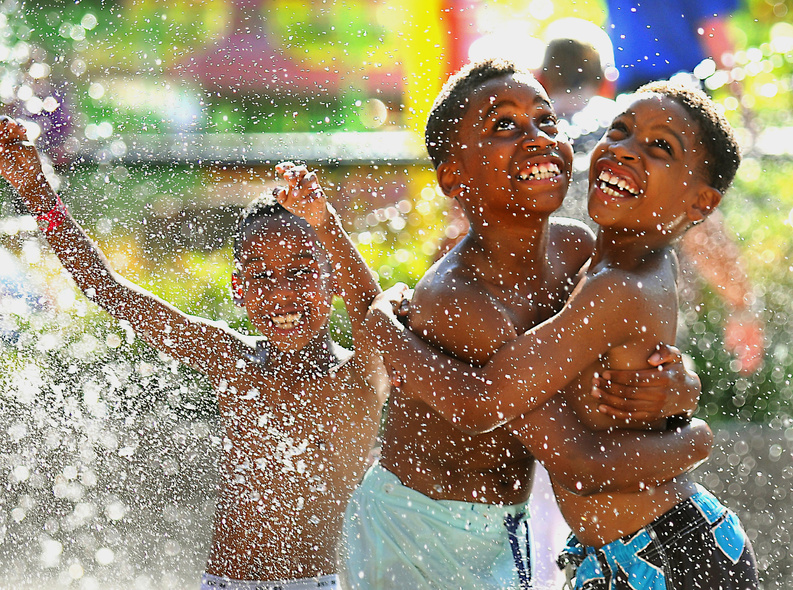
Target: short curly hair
{"type": "Point", "coordinates": [452, 102]}
{"type": "Point", "coordinates": [722, 152]}
{"type": "Point", "coordinates": [261, 207]}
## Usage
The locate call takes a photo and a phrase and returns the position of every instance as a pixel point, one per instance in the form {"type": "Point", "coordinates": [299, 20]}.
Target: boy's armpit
{"type": "Point", "coordinates": [461, 320]}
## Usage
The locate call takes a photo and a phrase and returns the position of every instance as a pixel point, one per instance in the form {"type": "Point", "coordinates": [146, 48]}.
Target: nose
{"type": "Point", "coordinates": [623, 150]}
{"type": "Point", "coordinates": [537, 139]}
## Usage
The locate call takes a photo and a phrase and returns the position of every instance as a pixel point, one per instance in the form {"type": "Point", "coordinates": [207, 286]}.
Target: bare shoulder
{"type": "Point", "coordinates": [571, 240]}
{"type": "Point", "coordinates": [454, 310]}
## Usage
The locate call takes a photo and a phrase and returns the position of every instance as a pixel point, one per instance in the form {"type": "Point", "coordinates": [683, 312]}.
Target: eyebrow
{"type": "Point", "coordinates": [538, 100]}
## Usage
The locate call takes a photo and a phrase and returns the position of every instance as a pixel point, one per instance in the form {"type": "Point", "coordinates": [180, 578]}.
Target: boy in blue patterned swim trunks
{"type": "Point", "coordinates": [662, 166]}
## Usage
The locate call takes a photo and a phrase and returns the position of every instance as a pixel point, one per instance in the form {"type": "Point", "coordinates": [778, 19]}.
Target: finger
{"type": "Point", "coordinates": [280, 194]}
{"type": "Point", "coordinates": [623, 415]}
{"type": "Point", "coordinates": [665, 354]}
{"type": "Point", "coordinates": [631, 404]}
{"type": "Point", "coordinates": [645, 392]}
{"type": "Point", "coordinates": [641, 378]}
{"type": "Point", "coordinates": [282, 167]}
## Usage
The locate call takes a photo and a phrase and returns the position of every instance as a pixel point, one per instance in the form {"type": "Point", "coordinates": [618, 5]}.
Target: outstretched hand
{"type": "Point", "coordinates": [302, 195]}
{"type": "Point", "coordinates": [668, 389]}
{"type": "Point", "coordinates": [20, 164]}
{"type": "Point", "coordinates": [386, 317]}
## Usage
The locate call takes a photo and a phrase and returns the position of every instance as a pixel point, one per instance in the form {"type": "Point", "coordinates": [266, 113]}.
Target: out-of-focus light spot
{"type": "Point", "coordinates": [96, 91]}
{"type": "Point", "coordinates": [20, 473]}
{"type": "Point", "coordinates": [731, 103]}
{"type": "Point", "coordinates": [374, 113]}
{"type": "Point", "coordinates": [50, 552]}
{"type": "Point", "coordinates": [105, 556]}
{"type": "Point", "coordinates": [78, 67]}
{"type": "Point", "coordinates": [32, 129]}
{"type": "Point", "coordinates": [705, 68]}
{"type": "Point", "coordinates": [115, 510]}
{"type": "Point", "coordinates": [768, 90]}
{"type": "Point", "coordinates": [50, 104]}
{"type": "Point", "coordinates": [34, 105]}
{"type": "Point", "coordinates": [89, 21]}
{"type": "Point", "coordinates": [76, 571]}
{"type": "Point", "coordinates": [781, 35]}
{"type": "Point", "coordinates": [39, 70]}
{"type": "Point", "coordinates": [25, 92]}
{"type": "Point", "coordinates": [77, 33]}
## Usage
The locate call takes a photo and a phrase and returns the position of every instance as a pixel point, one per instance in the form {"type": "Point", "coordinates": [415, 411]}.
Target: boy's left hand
{"type": "Point", "coordinates": [303, 195]}
{"type": "Point", "coordinates": [668, 389]}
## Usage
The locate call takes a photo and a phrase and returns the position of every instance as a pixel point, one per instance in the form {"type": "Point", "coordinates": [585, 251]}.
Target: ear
{"type": "Point", "coordinates": [238, 289]}
{"type": "Point", "coordinates": [449, 179]}
{"type": "Point", "coordinates": [703, 205]}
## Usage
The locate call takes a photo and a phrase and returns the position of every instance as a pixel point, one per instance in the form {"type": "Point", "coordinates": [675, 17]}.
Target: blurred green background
{"type": "Point", "coordinates": [165, 141]}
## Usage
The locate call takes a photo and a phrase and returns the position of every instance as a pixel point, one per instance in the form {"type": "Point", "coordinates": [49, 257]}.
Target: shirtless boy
{"type": "Point", "coordinates": [663, 165]}
{"type": "Point", "coordinates": [299, 413]}
{"type": "Point", "coordinates": [445, 509]}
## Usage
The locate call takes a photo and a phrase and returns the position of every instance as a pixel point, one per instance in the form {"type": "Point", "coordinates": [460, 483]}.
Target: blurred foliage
{"type": "Point", "coordinates": [110, 64]}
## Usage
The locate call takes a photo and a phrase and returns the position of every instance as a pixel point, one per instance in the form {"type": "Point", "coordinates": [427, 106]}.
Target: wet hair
{"type": "Point", "coordinates": [264, 206]}
{"type": "Point", "coordinates": [722, 153]}
{"type": "Point", "coordinates": [571, 64]}
{"type": "Point", "coordinates": [452, 102]}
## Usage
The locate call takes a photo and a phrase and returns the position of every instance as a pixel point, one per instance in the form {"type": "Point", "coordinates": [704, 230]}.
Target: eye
{"type": "Point", "coordinates": [617, 130]}
{"type": "Point", "coordinates": [262, 275]}
{"type": "Point", "coordinates": [302, 271]}
{"type": "Point", "coordinates": [549, 120]}
{"type": "Point", "coordinates": [662, 144]}
{"type": "Point", "coordinates": [505, 124]}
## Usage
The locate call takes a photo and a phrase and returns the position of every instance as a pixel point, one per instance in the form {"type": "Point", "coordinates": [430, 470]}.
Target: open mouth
{"type": "Point", "coordinates": [616, 186]}
{"type": "Point", "coordinates": [287, 321]}
{"type": "Point", "coordinates": [541, 171]}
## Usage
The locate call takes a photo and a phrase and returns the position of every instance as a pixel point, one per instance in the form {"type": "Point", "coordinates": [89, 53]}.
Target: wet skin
{"type": "Point", "coordinates": [513, 270]}
{"type": "Point", "coordinates": [298, 414]}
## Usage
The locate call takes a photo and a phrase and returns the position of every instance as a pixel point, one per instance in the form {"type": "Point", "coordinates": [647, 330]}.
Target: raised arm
{"type": "Point", "coordinates": [188, 339]}
{"type": "Point", "coordinates": [522, 374]}
{"type": "Point", "coordinates": [304, 196]}
{"type": "Point", "coordinates": [587, 462]}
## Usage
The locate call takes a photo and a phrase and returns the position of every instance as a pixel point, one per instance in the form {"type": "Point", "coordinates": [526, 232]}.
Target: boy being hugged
{"type": "Point", "coordinates": [299, 413]}
{"type": "Point", "coordinates": [662, 166]}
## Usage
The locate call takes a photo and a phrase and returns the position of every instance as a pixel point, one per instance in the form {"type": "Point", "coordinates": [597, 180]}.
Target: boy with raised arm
{"type": "Point", "coordinates": [446, 509]}
{"type": "Point", "coordinates": [299, 413]}
{"type": "Point", "coordinates": [663, 165]}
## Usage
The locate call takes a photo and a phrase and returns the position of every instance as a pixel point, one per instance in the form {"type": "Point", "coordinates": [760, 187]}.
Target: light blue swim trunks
{"type": "Point", "coordinates": [396, 538]}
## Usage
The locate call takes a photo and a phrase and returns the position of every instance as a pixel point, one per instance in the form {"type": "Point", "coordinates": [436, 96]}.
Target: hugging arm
{"type": "Point", "coordinates": [185, 338]}
{"type": "Point", "coordinates": [618, 460]}
{"type": "Point", "coordinates": [523, 373]}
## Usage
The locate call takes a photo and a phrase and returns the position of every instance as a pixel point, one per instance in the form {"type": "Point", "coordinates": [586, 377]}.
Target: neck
{"type": "Point", "coordinates": [626, 250]}
{"type": "Point", "coordinates": [317, 357]}
{"type": "Point", "coordinates": [520, 249]}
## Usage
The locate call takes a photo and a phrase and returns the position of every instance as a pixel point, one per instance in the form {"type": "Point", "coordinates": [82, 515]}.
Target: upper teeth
{"type": "Point", "coordinates": [540, 171]}
{"type": "Point", "coordinates": [608, 178]}
{"type": "Point", "coordinates": [287, 320]}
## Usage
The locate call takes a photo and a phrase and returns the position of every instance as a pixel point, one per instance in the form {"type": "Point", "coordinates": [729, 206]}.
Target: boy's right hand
{"type": "Point", "coordinates": [20, 164]}
{"type": "Point", "coordinates": [303, 195]}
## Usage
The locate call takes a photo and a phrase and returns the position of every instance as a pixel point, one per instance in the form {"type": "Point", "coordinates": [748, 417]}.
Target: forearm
{"type": "Point", "coordinates": [629, 460]}
{"type": "Point", "coordinates": [451, 387]}
{"type": "Point", "coordinates": [357, 283]}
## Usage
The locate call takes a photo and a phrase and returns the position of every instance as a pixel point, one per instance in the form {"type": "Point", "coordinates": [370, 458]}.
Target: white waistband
{"type": "Point", "coordinates": [211, 582]}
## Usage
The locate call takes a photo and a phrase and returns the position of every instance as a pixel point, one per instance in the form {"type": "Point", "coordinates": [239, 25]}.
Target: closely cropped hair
{"type": "Point", "coordinates": [571, 64]}
{"type": "Point", "coordinates": [261, 207]}
{"type": "Point", "coordinates": [723, 155]}
{"type": "Point", "coordinates": [452, 102]}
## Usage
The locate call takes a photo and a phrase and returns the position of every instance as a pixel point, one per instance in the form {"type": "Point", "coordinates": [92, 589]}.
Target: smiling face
{"type": "Point", "coordinates": [285, 281]}
{"type": "Point", "coordinates": [506, 155]}
{"type": "Point", "coordinates": [646, 173]}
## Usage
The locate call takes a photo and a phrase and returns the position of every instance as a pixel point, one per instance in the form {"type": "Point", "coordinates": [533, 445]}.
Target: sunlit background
{"type": "Point", "coordinates": [161, 119]}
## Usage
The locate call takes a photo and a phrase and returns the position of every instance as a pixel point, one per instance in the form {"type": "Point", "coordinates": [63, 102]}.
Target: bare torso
{"type": "Point", "coordinates": [425, 451]}
{"type": "Point", "coordinates": [283, 487]}
{"type": "Point", "coordinates": [601, 518]}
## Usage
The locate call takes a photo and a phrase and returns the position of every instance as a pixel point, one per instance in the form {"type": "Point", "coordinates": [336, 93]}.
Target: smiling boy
{"type": "Point", "coordinates": [299, 413]}
{"type": "Point", "coordinates": [442, 508]}
{"type": "Point", "coordinates": [662, 166]}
